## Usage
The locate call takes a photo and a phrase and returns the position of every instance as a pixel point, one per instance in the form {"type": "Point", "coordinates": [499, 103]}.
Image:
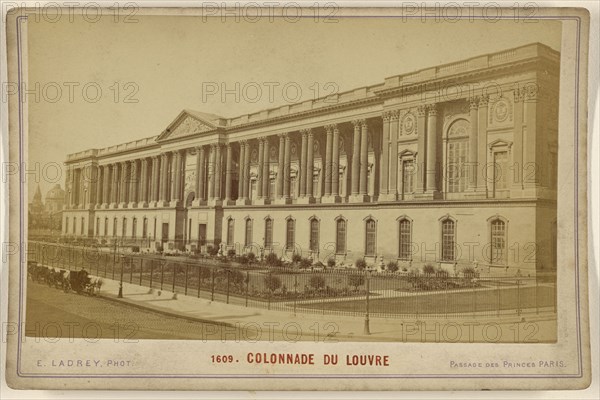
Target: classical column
{"type": "Point", "coordinates": [385, 155]}
{"type": "Point", "coordinates": [482, 116]}
{"type": "Point", "coordinates": [176, 176]}
{"type": "Point", "coordinates": [247, 172]}
{"type": "Point", "coordinates": [309, 165]}
{"type": "Point", "coordinates": [286, 168]}
{"type": "Point", "coordinates": [420, 167]}
{"type": "Point", "coordinates": [218, 171]}
{"type": "Point", "coordinates": [156, 179]}
{"type": "Point", "coordinates": [328, 163]}
{"type": "Point", "coordinates": [364, 160]}
{"type": "Point", "coordinates": [281, 166]}
{"type": "Point", "coordinates": [201, 174]}
{"type": "Point", "coordinates": [99, 185]}
{"type": "Point", "coordinates": [241, 171]}
{"type": "Point", "coordinates": [261, 160]}
{"type": "Point", "coordinates": [303, 166]}
{"type": "Point", "coordinates": [125, 178]}
{"type": "Point", "coordinates": [432, 172]}
{"type": "Point", "coordinates": [133, 185]}
{"type": "Point", "coordinates": [228, 173]}
{"type": "Point", "coordinates": [473, 136]}
{"type": "Point", "coordinates": [106, 184]}
{"type": "Point", "coordinates": [81, 189]}
{"type": "Point", "coordinates": [517, 149]}
{"type": "Point", "coordinates": [356, 158]}
{"type": "Point", "coordinates": [335, 164]}
{"type": "Point", "coordinates": [164, 179]}
{"type": "Point", "coordinates": [115, 185]}
{"type": "Point", "coordinates": [265, 171]}
{"type": "Point", "coordinates": [144, 191]}
{"type": "Point", "coordinates": [211, 173]}
{"type": "Point", "coordinates": [393, 153]}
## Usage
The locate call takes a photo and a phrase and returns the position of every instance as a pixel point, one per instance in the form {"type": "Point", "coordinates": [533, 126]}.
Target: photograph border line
{"type": "Point", "coordinates": [20, 19]}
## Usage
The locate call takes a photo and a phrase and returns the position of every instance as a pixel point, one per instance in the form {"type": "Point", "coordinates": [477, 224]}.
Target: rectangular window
{"type": "Point", "coordinates": [230, 226]}
{"type": "Point", "coordinates": [114, 227]}
{"type": "Point", "coordinates": [124, 232]}
{"type": "Point", "coordinates": [407, 176]}
{"type": "Point", "coordinates": [82, 226]}
{"type": "Point", "coordinates": [98, 226]}
{"type": "Point", "coordinates": [268, 233]}
{"type": "Point", "coordinates": [272, 189]}
{"type": "Point", "coordinates": [105, 227]}
{"type": "Point", "coordinates": [458, 151]}
{"type": "Point", "coordinates": [370, 235]}
{"type": "Point", "coordinates": [290, 239]}
{"type": "Point", "coordinates": [340, 244]}
{"type": "Point", "coordinates": [253, 184]}
{"type": "Point", "coordinates": [145, 228]}
{"type": "Point", "coordinates": [404, 251]}
{"type": "Point", "coordinates": [248, 232]}
{"type": "Point", "coordinates": [134, 228]}
{"type": "Point", "coordinates": [66, 225]}
{"type": "Point", "coordinates": [498, 242]}
{"type": "Point", "coordinates": [500, 171]}
{"type": "Point", "coordinates": [315, 187]}
{"type": "Point", "coordinates": [448, 239]}
{"type": "Point", "coordinates": [314, 235]}
{"type": "Point", "coordinates": [74, 225]}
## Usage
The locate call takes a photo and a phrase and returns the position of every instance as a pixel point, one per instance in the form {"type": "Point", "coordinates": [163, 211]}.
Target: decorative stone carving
{"type": "Point", "coordinates": [409, 124]}
{"type": "Point", "coordinates": [459, 128]}
{"type": "Point", "coordinates": [501, 111]}
{"type": "Point", "coordinates": [189, 126]}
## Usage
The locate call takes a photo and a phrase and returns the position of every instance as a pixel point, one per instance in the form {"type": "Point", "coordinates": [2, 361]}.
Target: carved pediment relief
{"type": "Point", "coordinates": [187, 124]}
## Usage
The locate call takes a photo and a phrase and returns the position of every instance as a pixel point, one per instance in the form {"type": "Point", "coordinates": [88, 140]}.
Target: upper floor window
{"type": "Point", "coordinates": [115, 227]}
{"type": "Point", "coordinates": [407, 176]}
{"type": "Point", "coordinates": [458, 156]}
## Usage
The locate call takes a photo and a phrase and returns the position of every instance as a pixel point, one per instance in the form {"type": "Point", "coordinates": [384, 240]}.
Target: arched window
{"type": "Point", "coordinates": [74, 225]}
{"type": "Point", "coordinates": [66, 225]}
{"type": "Point", "coordinates": [314, 235]}
{"type": "Point", "coordinates": [290, 234]}
{"type": "Point", "coordinates": [145, 228]}
{"type": "Point", "coordinates": [230, 226]}
{"type": "Point", "coordinates": [457, 157]}
{"type": "Point", "coordinates": [248, 232]}
{"type": "Point", "coordinates": [124, 231]}
{"type": "Point", "coordinates": [97, 226]}
{"type": "Point", "coordinates": [340, 236]}
{"type": "Point", "coordinates": [134, 228]}
{"type": "Point", "coordinates": [82, 226]}
{"type": "Point", "coordinates": [404, 239]}
{"type": "Point", "coordinates": [370, 237]}
{"type": "Point", "coordinates": [115, 227]}
{"type": "Point", "coordinates": [105, 227]}
{"type": "Point", "coordinates": [268, 233]}
{"type": "Point", "coordinates": [498, 242]}
{"type": "Point", "coordinates": [448, 239]}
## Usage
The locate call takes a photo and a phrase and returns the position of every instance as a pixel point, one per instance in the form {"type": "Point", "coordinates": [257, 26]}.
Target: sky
{"type": "Point", "coordinates": [125, 81]}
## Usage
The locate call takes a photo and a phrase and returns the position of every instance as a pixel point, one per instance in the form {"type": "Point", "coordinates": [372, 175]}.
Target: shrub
{"type": "Point", "coordinates": [243, 259]}
{"type": "Point", "coordinates": [212, 250]}
{"type": "Point", "coordinates": [231, 253]}
{"type": "Point", "coordinates": [317, 282]}
{"type": "Point", "coordinates": [392, 266]}
{"type": "Point", "coordinates": [272, 282]}
{"type": "Point", "coordinates": [360, 264]}
{"type": "Point", "coordinates": [272, 260]}
{"type": "Point", "coordinates": [356, 280]}
{"type": "Point", "coordinates": [441, 273]}
{"type": "Point", "coordinates": [296, 258]}
{"type": "Point", "coordinates": [305, 263]}
{"type": "Point", "coordinates": [331, 262]}
{"type": "Point", "coordinates": [468, 272]}
{"type": "Point", "coordinates": [251, 257]}
{"type": "Point", "coordinates": [428, 269]}
{"type": "Point", "coordinates": [237, 277]}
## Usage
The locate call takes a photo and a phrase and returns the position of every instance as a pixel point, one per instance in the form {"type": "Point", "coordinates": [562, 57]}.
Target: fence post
{"type": "Point", "coordinates": [518, 297]}
{"type": "Point", "coordinates": [473, 297]}
{"type": "Point", "coordinates": [131, 270]}
{"type": "Point", "coordinates": [367, 330]}
{"type": "Point", "coordinates": [141, 269]}
{"type": "Point", "coordinates": [247, 286]}
{"type": "Point", "coordinates": [105, 265]}
{"type": "Point", "coordinates": [174, 276]}
{"type": "Point", "coordinates": [270, 292]}
{"type": "Point", "coordinates": [537, 304]}
{"type": "Point", "coordinates": [447, 297]}
{"type": "Point", "coordinates": [228, 276]}
{"type": "Point", "coordinates": [212, 289]}
{"type": "Point", "coordinates": [295, 292]}
{"type": "Point", "coordinates": [187, 269]}
{"type": "Point", "coordinates": [199, 276]}
{"type": "Point", "coordinates": [162, 274]}
{"type": "Point", "coordinates": [498, 298]}
{"type": "Point", "coordinates": [151, 272]}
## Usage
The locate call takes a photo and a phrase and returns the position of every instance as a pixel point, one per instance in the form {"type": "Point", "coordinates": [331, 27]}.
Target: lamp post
{"type": "Point", "coordinates": [120, 295]}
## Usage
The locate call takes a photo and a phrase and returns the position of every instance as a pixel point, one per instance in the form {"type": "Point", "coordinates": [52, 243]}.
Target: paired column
{"type": "Point", "coordinates": [393, 154]}
{"type": "Point", "coordinates": [473, 139]}
{"type": "Point", "coordinates": [432, 171]}
{"type": "Point", "coordinates": [164, 179]}
{"type": "Point", "coordinates": [99, 185]}
{"type": "Point", "coordinates": [385, 155]}
{"type": "Point", "coordinates": [228, 173]}
{"type": "Point", "coordinates": [310, 165]}
{"type": "Point", "coordinates": [421, 142]}
{"type": "Point", "coordinates": [281, 166]}
{"type": "Point", "coordinates": [133, 184]}
{"type": "Point", "coordinates": [335, 164]}
{"type": "Point", "coordinates": [218, 172]}
{"type": "Point", "coordinates": [482, 115]}
{"type": "Point", "coordinates": [364, 161]}
{"type": "Point", "coordinates": [144, 175]}
{"type": "Point", "coordinates": [125, 176]}
{"type": "Point", "coordinates": [156, 179]}
{"type": "Point", "coordinates": [303, 166]}
{"type": "Point", "coordinates": [286, 168]}
{"type": "Point", "coordinates": [328, 160]}
{"type": "Point", "coordinates": [211, 173]}
{"type": "Point", "coordinates": [241, 165]}
{"type": "Point", "coordinates": [265, 169]}
{"type": "Point", "coordinates": [200, 174]}
{"type": "Point", "coordinates": [115, 185]}
{"type": "Point", "coordinates": [356, 158]}
{"type": "Point", "coordinates": [107, 188]}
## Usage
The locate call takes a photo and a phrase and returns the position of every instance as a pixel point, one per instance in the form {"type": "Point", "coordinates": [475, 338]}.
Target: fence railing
{"type": "Point", "coordinates": [353, 293]}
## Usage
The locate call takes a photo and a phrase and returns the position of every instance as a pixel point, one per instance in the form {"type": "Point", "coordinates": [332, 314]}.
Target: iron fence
{"type": "Point", "coordinates": [337, 292]}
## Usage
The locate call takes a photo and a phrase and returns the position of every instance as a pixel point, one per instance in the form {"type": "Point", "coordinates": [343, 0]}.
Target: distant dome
{"type": "Point", "coordinates": [56, 193]}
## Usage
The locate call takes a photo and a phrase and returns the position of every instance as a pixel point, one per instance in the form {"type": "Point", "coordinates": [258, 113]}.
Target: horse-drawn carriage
{"type": "Point", "coordinates": [79, 281]}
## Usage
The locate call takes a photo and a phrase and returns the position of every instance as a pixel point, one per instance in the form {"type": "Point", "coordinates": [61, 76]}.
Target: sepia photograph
{"type": "Point", "coordinates": [272, 187]}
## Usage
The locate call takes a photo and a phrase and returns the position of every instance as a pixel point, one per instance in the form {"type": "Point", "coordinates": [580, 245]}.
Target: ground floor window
{"type": "Point", "coordinates": [290, 239]}
{"type": "Point", "coordinates": [268, 233]}
{"type": "Point", "coordinates": [370, 237]}
{"type": "Point", "coordinates": [340, 242]}
{"type": "Point", "coordinates": [404, 252]}
{"type": "Point", "coordinates": [498, 242]}
{"type": "Point", "coordinates": [314, 235]}
{"type": "Point", "coordinates": [448, 240]}
{"type": "Point", "coordinates": [248, 241]}
{"type": "Point", "coordinates": [230, 226]}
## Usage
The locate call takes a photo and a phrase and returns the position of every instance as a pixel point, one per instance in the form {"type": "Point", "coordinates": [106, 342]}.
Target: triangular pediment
{"type": "Point", "coordinates": [191, 123]}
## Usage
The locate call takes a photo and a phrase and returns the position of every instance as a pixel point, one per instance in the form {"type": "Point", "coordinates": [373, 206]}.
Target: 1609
{"type": "Point", "coordinates": [222, 359]}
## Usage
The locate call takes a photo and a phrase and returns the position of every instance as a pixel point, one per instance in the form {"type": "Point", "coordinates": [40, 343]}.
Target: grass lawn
{"type": "Point", "coordinates": [455, 302]}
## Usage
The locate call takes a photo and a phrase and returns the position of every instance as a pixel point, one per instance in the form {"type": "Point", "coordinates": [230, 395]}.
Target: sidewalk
{"type": "Point", "coordinates": [478, 328]}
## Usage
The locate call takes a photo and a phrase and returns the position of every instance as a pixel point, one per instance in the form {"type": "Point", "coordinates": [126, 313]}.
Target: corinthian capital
{"type": "Point", "coordinates": [432, 109]}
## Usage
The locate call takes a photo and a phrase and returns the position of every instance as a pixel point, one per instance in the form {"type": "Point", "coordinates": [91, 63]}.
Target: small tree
{"type": "Point", "coordinates": [213, 250]}
{"type": "Point", "coordinates": [392, 266]}
{"type": "Point", "coordinates": [305, 263]}
{"type": "Point", "coordinates": [356, 280]}
{"type": "Point", "coordinates": [296, 258]}
{"type": "Point", "coordinates": [272, 260]}
{"type": "Point", "coordinates": [237, 278]}
{"type": "Point", "coordinates": [360, 264]}
{"type": "Point", "coordinates": [251, 257]}
{"type": "Point", "coordinates": [317, 282]}
{"type": "Point", "coordinates": [428, 269]}
{"type": "Point", "coordinates": [231, 253]}
{"type": "Point", "coordinates": [272, 282]}
{"type": "Point", "coordinates": [331, 262]}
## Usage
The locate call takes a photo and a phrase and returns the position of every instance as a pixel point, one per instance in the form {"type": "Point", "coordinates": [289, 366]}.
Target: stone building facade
{"type": "Point", "coordinates": [453, 165]}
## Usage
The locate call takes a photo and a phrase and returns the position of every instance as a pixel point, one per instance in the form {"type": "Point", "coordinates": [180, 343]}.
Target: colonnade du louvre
{"type": "Point", "coordinates": [454, 165]}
